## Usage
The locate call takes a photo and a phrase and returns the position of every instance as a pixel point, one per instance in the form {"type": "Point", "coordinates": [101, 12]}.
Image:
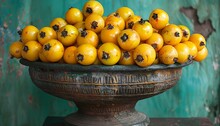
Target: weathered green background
{"type": "Point", "coordinates": [23, 104]}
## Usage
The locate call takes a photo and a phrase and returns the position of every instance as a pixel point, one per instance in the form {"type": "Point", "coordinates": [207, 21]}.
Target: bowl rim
{"type": "Point", "coordinates": [90, 68]}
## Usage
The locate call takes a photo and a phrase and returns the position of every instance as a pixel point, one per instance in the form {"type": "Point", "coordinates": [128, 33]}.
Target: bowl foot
{"type": "Point", "coordinates": [124, 118]}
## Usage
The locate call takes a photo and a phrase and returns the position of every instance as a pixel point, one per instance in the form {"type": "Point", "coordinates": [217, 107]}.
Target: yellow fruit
{"type": "Point", "coordinates": [144, 29]}
{"type": "Point", "coordinates": [29, 33]}
{"type": "Point", "coordinates": [183, 52]}
{"type": "Point", "coordinates": [125, 12]}
{"type": "Point", "coordinates": [144, 55]}
{"type": "Point", "coordinates": [128, 39]}
{"type": "Point", "coordinates": [110, 34]}
{"type": "Point", "coordinates": [31, 50]}
{"type": "Point", "coordinates": [126, 58]}
{"type": "Point", "coordinates": [53, 50]}
{"type": "Point", "coordinates": [129, 23]}
{"type": "Point", "coordinates": [91, 7]}
{"type": "Point", "coordinates": [116, 20]}
{"type": "Point", "coordinates": [73, 16]}
{"type": "Point", "coordinates": [186, 33]}
{"type": "Point", "coordinates": [156, 41]}
{"type": "Point", "coordinates": [198, 40]}
{"type": "Point", "coordinates": [109, 53]}
{"type": "Point", "coordinates": [158, 19]}
{"type": "Point", "coordinates": [95, 23]}
{"type": "Point", "coordinates": [67, 35]}
{"type": "Point", "coordinates": [45, 34]}
{"type": "Point", "coordinates": [69, 55]}
{"type": "Point", "coordinates": [192, 49]}
{"type": "Point", "coordinates": [168, 55]}
{"type": "Point", "coordinates": [15, 49]}
{"type": "Point", "coordinates": [57, 23]}
{"type": "Point", "coordinates": [86, 54]}
{"type": "Point", "coordinates": [201, 55]}
{"type": "Point", "coordinates": [171, 34]}
{"type": "Point", "coordinates": [88, 37]}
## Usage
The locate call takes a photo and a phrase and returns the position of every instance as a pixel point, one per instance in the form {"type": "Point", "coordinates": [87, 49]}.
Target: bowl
{"type": "Point", "coordinates": [104, 95]}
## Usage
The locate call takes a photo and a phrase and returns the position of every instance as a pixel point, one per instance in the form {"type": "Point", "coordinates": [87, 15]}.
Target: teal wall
{"type": "Point", "coordinates": [22, 104]}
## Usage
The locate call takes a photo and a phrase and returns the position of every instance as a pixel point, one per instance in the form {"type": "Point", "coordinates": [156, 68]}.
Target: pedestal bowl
{"type": "Point", "coordinates": [104, 95]}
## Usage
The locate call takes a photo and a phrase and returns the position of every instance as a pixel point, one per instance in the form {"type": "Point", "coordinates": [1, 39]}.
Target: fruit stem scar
{"type": "Point", "coordinates": [126, 54]}
{"type": "Point", "coordinates": [80, 57]}
{"type": "Point", "coordinates": [94, 25]}
{"type": "Point", "coordinates": [139, 58]}
{"type": "Point", "coordinates": [155, 16]}
{"type": "Point", "coordinates": [55, 27]}
{"type": "Point", "coordinates": [116, 14]}
{"type": "Point", "coordinates": [110, 26]}
{"type": "Point", "coordinates": [105, 55]}
{"type": "Point", "coordinates": [177, 34]}
{"type": "Point", "coordinates": [47, 47]}
{"type": "Point", "coordinates": [64, 33]}
{"type": "Point", "coordinates": [19, 32]}
{"type": "Point", "coordinates": [83, 33]}
{"type": "Point", "coordinates": [142, 21]}
{"type": "Point", "coordinates": [25, 48]}
{"type": "Point", "coordinates": [89, 10]}
{"type": "Point", "coordinates": [185, 33]}
{"type": "Point", "coordinates": [42, 34]}
{"type": "Point", "coordinates": [154, 45]}
{"type": "Point", "coordinates": [202, 43]}
{"type": "Point", "coordinates": [130, 24]}
{"type": "Point", "coordinates": [175, 59]}
{"type": "Point", "coordinates": [124, 37]}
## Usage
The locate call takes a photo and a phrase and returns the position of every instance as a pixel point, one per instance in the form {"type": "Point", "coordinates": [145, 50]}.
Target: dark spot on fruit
{"type": "Point", "coordinates": [116, 15]}
{"type": "Point", "coordinates": [175, 59]}
{"type": "Point", "coordinates": [185, 33]}
{"type": "Point", "coordinates": [42, 34]}
{"type": "Point", "coordinates": [139, 58]}
{"type": "Point", "coordinates": [55, 27]}
{"type": "Point", "coordinates": [80, 57]}
{"type": "Point", "coordinates": [83, 33]}
{"type": "Point", "coordinates": [124, 37]}
{"type": "Point", "coordinates": [154, 45]}
{"type": "Point", "coordinates": [110, 26]}
{"type": "Point", "coordinates": [105, 55]}
{"type": "Point", "coordinates": [177, 34]}
{"type": "Point", "coordinates": [126, 54]}
{"type": "Point", "coordinates": [19, 32]}
{"type": "Point", "coordinates": [89, 10]}
{"type": "Point", "coordinates": [141, 21]}
{"type": "Point", "coordinates": [130, 24]}
{"type": "Point", "coordinates": [64, 33]}
{"type": "Point", "coordinates": [47, 47]}
{"type": "Point", "coordinates": [202, 43]}
{"type": "Point", "coordinates": [25, 48]}
{"type": "Point", "coordinates": [155, 16]}
{"type": "Point", "coordinates": [94, 25]}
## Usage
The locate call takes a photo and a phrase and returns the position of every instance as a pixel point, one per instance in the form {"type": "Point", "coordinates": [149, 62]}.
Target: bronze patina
{"type": "Point", "coordinates": [104, 95]}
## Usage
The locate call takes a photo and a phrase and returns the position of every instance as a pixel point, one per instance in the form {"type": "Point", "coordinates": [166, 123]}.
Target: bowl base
{"type": "Point", "coordinates": [124, 118]}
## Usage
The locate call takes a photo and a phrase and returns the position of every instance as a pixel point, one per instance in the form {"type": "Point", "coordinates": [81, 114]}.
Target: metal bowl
{"type": "Point", "coordinates": [104, 95]}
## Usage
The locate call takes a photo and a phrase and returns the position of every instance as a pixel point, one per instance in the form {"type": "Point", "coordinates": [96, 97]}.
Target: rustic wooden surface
{"type": "Point", "coordinates": [196, 95]}
{"type": "Point", "coordinates": [58, 121]}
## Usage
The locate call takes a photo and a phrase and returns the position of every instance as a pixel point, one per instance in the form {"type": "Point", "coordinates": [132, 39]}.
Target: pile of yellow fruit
{"type": "Point", "coordinates": [87, 37]}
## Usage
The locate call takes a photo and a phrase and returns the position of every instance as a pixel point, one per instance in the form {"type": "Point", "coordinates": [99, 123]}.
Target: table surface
{"type": "Point", "coordinates": [58, 121]}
